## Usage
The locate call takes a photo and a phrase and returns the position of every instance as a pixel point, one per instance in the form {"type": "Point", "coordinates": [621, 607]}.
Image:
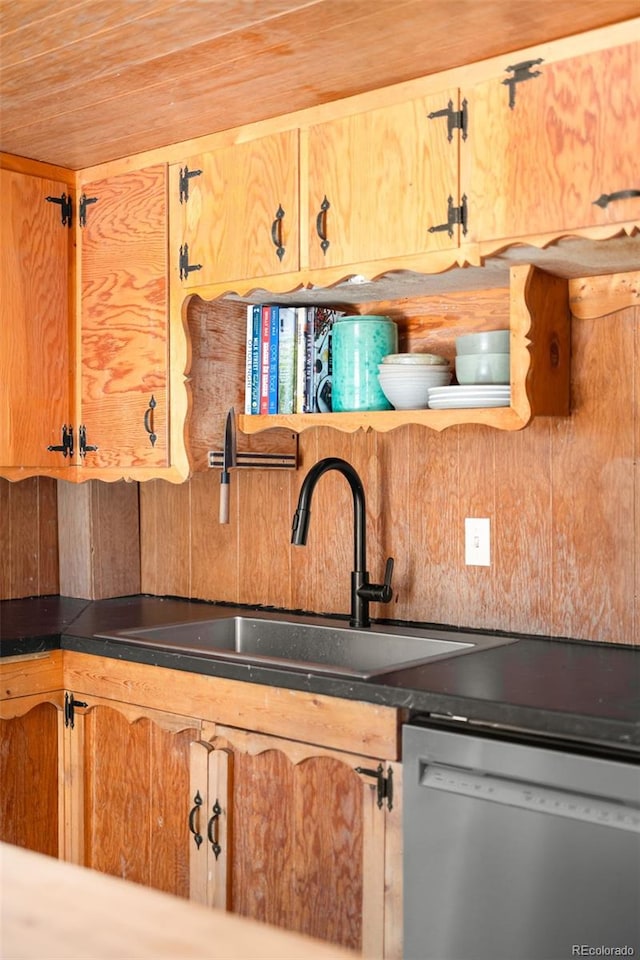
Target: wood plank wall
{"type": "Point", "coordinates": [563, 498]}
{"type": "Point", "coordinates": [28, 538]}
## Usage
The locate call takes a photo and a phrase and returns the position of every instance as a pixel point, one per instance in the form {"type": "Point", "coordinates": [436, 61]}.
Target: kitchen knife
{"type": "Point", "coordinates": [228, 461]}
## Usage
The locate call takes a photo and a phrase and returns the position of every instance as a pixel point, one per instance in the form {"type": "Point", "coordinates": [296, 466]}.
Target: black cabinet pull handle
{"type": "Point", "coordinates": [148, 420]}
{"type": "Point", "coordinates": [321, 224]}
{"type": "Point", "coordinates": [276, 232]}
{"type": "Point", "coordinates": [197, 803]}
{"type": "Point", "coordinates": [606, 198]}
{"type": "Point", "coordinates": [212, 829]}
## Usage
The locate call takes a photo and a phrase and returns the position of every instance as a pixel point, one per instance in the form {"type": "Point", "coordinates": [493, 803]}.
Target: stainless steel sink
{"type": "Point", "coordinates": [314, 647]}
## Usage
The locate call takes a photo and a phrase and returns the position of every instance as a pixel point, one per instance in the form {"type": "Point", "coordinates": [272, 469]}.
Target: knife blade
{"type": "Point", "coordinates": [228, 461]}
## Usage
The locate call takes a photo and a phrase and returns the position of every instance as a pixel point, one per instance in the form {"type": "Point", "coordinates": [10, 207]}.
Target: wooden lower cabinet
{"type": "Point", "coordinates": [128, 777]}
{"type": "Point", "coordinates": [30, 764]}
{"type": "Point", "coordinates": [31, 738]}
{"type": "Point", "coordinates": [292, 834]}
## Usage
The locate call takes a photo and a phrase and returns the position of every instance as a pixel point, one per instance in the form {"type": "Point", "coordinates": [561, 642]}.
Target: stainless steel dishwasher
{"type": "Point", "coordinates": [517, 850]}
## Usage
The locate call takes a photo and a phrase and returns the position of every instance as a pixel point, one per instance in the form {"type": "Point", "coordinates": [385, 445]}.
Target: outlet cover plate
{"type": "Point", "coordinates": [477, 542]}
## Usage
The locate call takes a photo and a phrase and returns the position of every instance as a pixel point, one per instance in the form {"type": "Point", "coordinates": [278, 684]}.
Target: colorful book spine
{"type": "Point", "coordinates": [265, 330]}
{"type": "Point", "coordinates": [248, 360]}
{"type": "Point", "coordinates": [256, 329]}
{"type": "Point", "coordinates": [286, 360]}
{"type": "Point", "coordinates": [274, 336]}
{"type": "Point", "coordinates": [301, 357]}
{"type": "Point", "coordinates": [320, 322]}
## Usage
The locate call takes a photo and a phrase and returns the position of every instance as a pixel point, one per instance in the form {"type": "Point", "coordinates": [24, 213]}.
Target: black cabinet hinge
{"type": "Point", "coordinates": [66, 208]}
{"type": "Point", "coordinates": [456, 119]}
{"type": "Point", "coordinates": [455, 215]}
{"type": "Point", "coordinates": [70, 705]}
{"type": "Point", "coordinates": [185, 266]}
{"type": "Point", "coordinates": [519, 73]}
{"type": "Point", "coordinates": [82, 208]}
{"type": "Point", "coordinates": [66, 447]}
{"type": "Point", "coordinates": [185, 176]}
{"type": "Point", "coordinates": [83, 446]}
{"type": "Point", "coordinates": [384, 785]}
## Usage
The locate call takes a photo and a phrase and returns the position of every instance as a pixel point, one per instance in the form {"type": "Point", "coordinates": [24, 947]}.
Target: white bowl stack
{"type": "Point", "coordinates": [483, 358]}
{"type": "Point", "coordinates": [405, 378]}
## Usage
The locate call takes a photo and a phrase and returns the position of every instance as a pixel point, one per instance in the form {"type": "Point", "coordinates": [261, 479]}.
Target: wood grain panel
{"type": "Point", "coordinates": [165, 537]}
{"type": "Point", "coordinates": [559, 495]}
{"type": "Point", "coordinates": [262, 857]}
{"type": "Point", "coordinates": [28, 538]}
{"type": "Point", "coordinates": [30, 676]}
{"type": "Point", "coordinates": [217, 334]}
{"type": "Point", "coordinates": [99, 539]}
{"type": "Point", "coordinates": [35, 398]}
{"type": "Point", "coordinates": [83, 71]}
{"type": "Point", "coordinates": [168, 787]}
{"type": "Point", "coordinates": [541, 166]}
{"type": "Point", "coordinates": [344, 168]}
{"type": "Point", "coordinates": [29, 777]}
{"type": "Point", "coordinates": [134, 826]}
{"type": "Point", "coordinates": [228, 218]}
{"type": "Point", "coordinates": [125, 320]}
{"type": "Point", "coordinates": [479, 596]}
{"type": "Point", "coordinates": [521, 549]}
{"type": "Point", "coordinates": [329, 857]}
{"type": "Point", "coordinates": [593, 478]}
{"type": "Point", "coordinates": [357, 727]}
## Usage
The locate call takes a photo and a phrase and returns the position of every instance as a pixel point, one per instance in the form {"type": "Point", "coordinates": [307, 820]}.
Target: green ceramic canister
{"type": "Point", "coordinates": [358, 346]}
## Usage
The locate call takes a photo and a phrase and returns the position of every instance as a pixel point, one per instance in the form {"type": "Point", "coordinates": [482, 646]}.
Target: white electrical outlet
{"type": "Point", "coordinates": [477, 542]}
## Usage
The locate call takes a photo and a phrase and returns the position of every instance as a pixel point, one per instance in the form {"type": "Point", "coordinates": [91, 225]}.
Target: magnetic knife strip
{"type": "Point", "coordinates": [255, 460]}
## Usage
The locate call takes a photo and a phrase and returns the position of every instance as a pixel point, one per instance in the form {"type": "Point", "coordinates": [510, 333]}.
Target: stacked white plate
{"type": "Point", "coordinates": [467, 397]}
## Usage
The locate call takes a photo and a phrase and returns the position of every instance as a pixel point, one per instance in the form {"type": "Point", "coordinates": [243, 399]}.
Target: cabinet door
{"type": "Point", "coordinates": [128, 786]}
{"type": "Point", "coordinates": [235, 211]}
{"type": "Point", "coordinates": [30, 768]}
{"type": "Point", "coordinates": [379, 183]}
{"type": "Point", "coordinates": [304, 842]}
{"type": "Point", "coordinates": [124, 333]}
{"type": "Point", "coordinates": [569, 139]}
{"type": "Point", "coordinates": [35, 396]}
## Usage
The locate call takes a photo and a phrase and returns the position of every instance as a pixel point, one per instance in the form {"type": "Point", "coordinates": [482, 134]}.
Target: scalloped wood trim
{"type": "Point", "coordinates": [20, 706]}
{"type": "Point", "coordinates": [601, 296]}
{"type": "Point", "coordinates": [502, 418]}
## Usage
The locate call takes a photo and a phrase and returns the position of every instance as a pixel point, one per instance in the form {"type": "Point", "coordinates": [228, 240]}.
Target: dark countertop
{"type": "Point", "coordinates": [577, 691]}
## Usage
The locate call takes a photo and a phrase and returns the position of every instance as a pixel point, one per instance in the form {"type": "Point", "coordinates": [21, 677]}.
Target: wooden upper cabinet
{"type": "Point", "coordinates": [124, 323]}
{"type": "Point", "coordinates": [563, 155]}
{"type": "Point", "coordinates": [35, 396]}
{"type": "Point", "coordinates": [380, 182]}
{"type": "Point", "coordinates": [235, 211]}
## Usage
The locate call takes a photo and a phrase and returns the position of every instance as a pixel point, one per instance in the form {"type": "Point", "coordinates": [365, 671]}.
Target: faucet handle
{"type": "Point", "coordinates": [379, 592]}
{"type": "Point", "coordinates": [387, 590]}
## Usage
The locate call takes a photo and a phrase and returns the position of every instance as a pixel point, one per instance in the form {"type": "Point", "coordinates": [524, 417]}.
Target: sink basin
{"type": "Point", "coordinates": [314, 647]}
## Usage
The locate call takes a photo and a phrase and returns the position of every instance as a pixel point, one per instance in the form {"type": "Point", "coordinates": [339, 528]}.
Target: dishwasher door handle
{"type": "Point", "coordinates": [528, 796]}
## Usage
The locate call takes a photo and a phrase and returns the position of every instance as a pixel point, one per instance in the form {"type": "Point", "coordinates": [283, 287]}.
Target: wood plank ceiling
{"type": "Point", "coordinates": [87, 81]}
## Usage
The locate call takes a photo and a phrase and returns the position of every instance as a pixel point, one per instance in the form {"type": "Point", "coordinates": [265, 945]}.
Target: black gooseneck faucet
{"type": "Point", "coordinates": [362, 592]}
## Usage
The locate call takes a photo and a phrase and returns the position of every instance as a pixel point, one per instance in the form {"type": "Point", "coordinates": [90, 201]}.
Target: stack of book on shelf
{"type": "Point", "coordinates": [288, 360]}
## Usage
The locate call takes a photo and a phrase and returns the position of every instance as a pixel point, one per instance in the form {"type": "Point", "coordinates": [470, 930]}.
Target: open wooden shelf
{"type": "Point", "coordinates": [539, 319]}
